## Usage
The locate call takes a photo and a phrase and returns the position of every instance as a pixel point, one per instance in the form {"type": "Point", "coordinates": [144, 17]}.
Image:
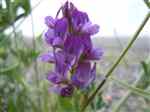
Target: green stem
{"type": "Point", "coordinates": [117, 62]}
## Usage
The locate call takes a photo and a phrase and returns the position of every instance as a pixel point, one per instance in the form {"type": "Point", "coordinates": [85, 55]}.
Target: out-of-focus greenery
{"type": "Point", "coordinates": [9, 12]}
{"type": "Point", "coordinates": [147, 2]}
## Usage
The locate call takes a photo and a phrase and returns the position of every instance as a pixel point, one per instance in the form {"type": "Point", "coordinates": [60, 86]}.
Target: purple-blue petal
{"type": "Point", "coordinates": [94, 54]}
{"type": "Point", "coordinates": [54, 78]}
{"type": "Point", "coordinates": [49, 36]}
{"type": "Point", "coordinates": [64, 62]}
{"type": "Point", "coordinates": [47, 57]}
{"type": "Point", "coordinates": [67, 91]}
{"type": "Point", "coordinates": [79, 19]}
{"type": "Point", "coordinates": [82, 75]}
{"type": "Point", "coordinates": [90, 28]}
{"type": "Point", "coordinates": [60, 28]}
{"type": "Point", "coordinates": [63, 90]}
{"type": "Point", "coordinates": [49, 21]}
{"type": "Point", "coordinates": [57, 42]}
{"type": "Point", "coordinates": [77, 45]}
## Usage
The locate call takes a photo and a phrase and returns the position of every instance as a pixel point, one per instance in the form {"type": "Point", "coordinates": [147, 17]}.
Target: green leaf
{"type": "Point", "coordinates": [147, 2]}
{"type": "Point", "coordinates": [11, 105]}
{"type": "Point", "coordinates": [65, 104]}
{"type": "Point", "coordinates": [99, 103]}
{"type": "Point", "coordinates": [135, 90]}
{"type": "Point", "coordinates": [9, 15]}
{"type": "Point", "coordinates": [9, 69]}
{"type": "Point", "coordinates": [144, 81]}
{"type": "Point", "coordinates": [147, 110]}
{"type": "Point", "coordinates": [145, 67]}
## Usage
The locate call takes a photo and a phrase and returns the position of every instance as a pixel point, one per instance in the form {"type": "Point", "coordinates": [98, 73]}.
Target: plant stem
{"type": "Point", "coordinates": [117, 62]}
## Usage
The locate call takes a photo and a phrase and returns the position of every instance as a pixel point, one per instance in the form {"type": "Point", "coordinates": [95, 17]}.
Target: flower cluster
{"type": "Point", "coordinates": [73, 55]}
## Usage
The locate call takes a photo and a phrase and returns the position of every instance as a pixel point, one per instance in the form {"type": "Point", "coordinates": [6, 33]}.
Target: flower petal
{"type": "Point", "coordinates": [49, 21]}
{"type": "Point", "coordinates": [63, 90]}
{"type": "Point", "coordinates": [94, 54]}
{"type": "Point", "coordinates": [79, 19]}
{"type": "Point", "coordinates": [54, 78]}
{"type": "Point", "coordinates": [47, 57]}
{"type": "Point", "coordinates": [67, 90]}
{"type": "Point", "coordinates": [77, 45]}
{"type": "Point", "coordinates": [64, 62]}
{"type": "Point", "coordinates": [82, 75]}
{"type": "Point", "coordinates": [60, 28]}
{"type": "Point", "coordinates": [49, 36]}
{"type": "Point", "coordinates": [57, 42]}
{"type": "Point", "coordinates": [90, 28]}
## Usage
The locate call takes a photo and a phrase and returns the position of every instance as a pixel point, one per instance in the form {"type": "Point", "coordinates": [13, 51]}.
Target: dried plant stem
{"type": "Point", "coordinates": [109, 73]}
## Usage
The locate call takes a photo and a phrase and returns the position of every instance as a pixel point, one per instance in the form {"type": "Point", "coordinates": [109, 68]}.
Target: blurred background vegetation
{"type": "Point", "coordinates": [23, 84]}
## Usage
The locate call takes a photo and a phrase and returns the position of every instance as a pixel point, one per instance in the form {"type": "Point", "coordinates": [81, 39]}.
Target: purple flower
{"type": "Point", "coordinates": [49, 21]}
{"type": "Point", "coordinates": [60, 27]}
{"type": "Point", "coordinates": [78, 19]}
{"type": "Point", "coordinates": [67, 90]}
{"type": "Point", "coordinates": [55, 77]}
{"type": "Point", "coordinates": [93, 54]}
{"type": "Point", "coordinates": [77, 44]}
{"type": "Point", "coordinates": [63, 90]}
{"type": "Point", "coordinates": [89, 28]}
{"type": "Point", "coordinates": [47, 57]}
{"type": "Point", "coordinates": [84, 75]}
{"type": "Point", "coordinates": [64, 62]}
{"type": "Point", "coordinates": [73, 52]}
{"type": "Point", "coordinates": [57, 31]}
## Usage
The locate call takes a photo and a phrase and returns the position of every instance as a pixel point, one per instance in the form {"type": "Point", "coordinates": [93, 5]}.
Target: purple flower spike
{"type": "Point", "coordinates": [73, 52]}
